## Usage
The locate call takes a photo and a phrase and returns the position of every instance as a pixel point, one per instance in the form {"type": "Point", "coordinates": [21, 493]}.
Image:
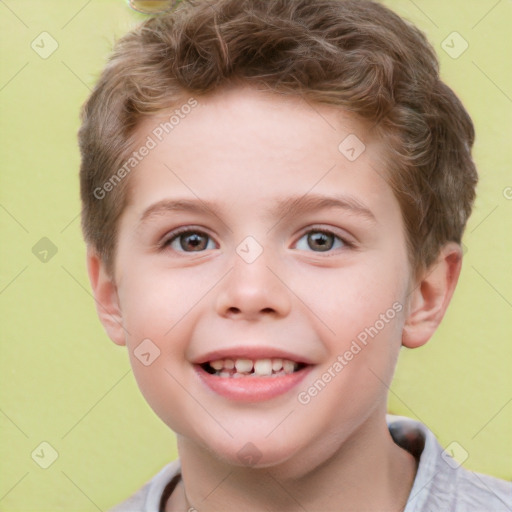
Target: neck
{"type": "Point", "coordinates": [367, 471]}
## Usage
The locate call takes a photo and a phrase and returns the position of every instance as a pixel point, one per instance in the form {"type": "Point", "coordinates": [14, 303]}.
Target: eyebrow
{"type": "Point", "coordinates": [292, 206]}
{"type": "Point", "coordinates": [283, 208]}
{"type": "Point", "coordinates": [181, 205]}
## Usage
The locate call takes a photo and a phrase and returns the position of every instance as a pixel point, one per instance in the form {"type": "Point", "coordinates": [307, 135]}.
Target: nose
{"type": "Point", "coordinates": [252, 291]}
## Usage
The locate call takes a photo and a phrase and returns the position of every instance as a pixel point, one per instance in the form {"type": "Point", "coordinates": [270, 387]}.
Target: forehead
{"type": "Point", "coordinates": [243, 144]}
{"type": "Point", "coordinates": [244, 116]}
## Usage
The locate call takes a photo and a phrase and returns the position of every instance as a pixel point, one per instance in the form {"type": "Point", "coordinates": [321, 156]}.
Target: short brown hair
{"type": "Point", "coordinates": [353, 54]}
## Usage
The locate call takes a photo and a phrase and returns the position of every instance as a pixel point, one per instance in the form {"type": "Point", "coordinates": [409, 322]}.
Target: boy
{"type": "Point", "coordinates": [274, 195]}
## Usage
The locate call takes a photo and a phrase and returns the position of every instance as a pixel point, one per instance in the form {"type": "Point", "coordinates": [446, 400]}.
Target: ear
{"type": "Point", "coordinates": [431, 296]}
{"type": "Point", "coordinates": [106, 298]}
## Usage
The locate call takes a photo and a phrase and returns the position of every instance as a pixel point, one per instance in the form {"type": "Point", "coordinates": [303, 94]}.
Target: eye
{"type": "Point", "coordinates": [319, 241]}
{"type": "Point", "coordinates": [190, 241]}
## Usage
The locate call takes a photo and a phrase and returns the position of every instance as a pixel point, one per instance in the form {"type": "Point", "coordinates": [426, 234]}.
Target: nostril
{"type": "Point", "coordinates": [236, 311]}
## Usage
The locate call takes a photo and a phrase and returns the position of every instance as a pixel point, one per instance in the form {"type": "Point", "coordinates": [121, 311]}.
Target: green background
{"type": "Point", "coordinates": [64, 383]}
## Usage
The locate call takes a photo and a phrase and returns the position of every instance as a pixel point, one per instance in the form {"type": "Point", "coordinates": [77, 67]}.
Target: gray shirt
{"type": "Point", "coordinates": [441, 483]}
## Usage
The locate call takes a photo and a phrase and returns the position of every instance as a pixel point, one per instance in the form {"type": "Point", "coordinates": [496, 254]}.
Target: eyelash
{"type": "Point", "coordinates": [346, 244]}
{"type": "Point", "coordinates": [174, 235]}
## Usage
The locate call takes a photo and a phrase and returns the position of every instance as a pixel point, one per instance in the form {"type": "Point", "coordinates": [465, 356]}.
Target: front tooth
{"type": "Point", "coordinates": [243, 365]}
{"type": "Point", "coordinates": [277, 364]}
{"type": "Point", "coordinates": [288, 366]}
{"type": "Point", "coordinates": [218, 364]}
{"type": "Point", "coordinates": [263, 367]}
{"type": "Point", "coordinates": [229, 364]}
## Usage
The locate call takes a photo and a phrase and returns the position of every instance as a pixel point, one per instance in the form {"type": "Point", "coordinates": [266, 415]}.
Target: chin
{"type": "Point", "coordinates": [255, 451]}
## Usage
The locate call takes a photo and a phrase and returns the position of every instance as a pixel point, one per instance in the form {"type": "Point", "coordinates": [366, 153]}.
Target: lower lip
{"type": "Point", "coordinates": [252, 389]}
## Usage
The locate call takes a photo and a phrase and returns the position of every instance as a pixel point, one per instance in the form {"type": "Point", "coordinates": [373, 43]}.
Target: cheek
{"type": "Point", "coordinates": [160, 323]}
{"type": "Point", "coordinates": [361, 323]}
{"type": "Point", "coordinates": [154, 302]}
{"type": "Point", "coordinates": [348, 300]}
{"type": "Point", "coordinates": [160, 309]}
{"type": "Point", "coordinates": [361, 316]}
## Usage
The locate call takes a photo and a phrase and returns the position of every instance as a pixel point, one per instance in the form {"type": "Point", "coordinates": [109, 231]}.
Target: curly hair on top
{"type": "Point", "coordinates": [356, 55]}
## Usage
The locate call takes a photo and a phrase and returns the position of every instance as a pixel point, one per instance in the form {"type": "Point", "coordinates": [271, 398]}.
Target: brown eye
{"type": "Point", "coordinates": [191, 241]}
{"type": "Point", "coordinates": [319, 241]}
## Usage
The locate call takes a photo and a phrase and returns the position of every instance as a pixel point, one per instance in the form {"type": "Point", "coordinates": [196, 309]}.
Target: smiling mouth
{"type": "Point", "coordinates": [247, 368]}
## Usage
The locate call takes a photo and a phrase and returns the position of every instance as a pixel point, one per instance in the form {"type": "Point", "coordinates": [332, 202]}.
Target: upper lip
{"type": "Point", "coordinates": [253, 353]}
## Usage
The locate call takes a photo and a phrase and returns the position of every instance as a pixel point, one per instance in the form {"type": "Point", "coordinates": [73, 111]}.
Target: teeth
{"type": "Point", "coordinates": [261, 367]}
{"type": "Point", "coordinates": [217, 365]}
{"type": "Point", "coordinates": [288, 366]}
{"type": "Point", "coordinates": [243, 365]}
{"type": "Point", "coordinates": [277, 364]}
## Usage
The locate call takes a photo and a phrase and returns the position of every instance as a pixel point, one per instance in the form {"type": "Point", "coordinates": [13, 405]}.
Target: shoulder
{"type": "Point", "coordinates": [455, 489]}
{"type": "Point", "coordinates": [475, 491]}
{"type": "Point", "coordinates": [147, 498]}
{"type": "Point", "coordinates": [441, 483]}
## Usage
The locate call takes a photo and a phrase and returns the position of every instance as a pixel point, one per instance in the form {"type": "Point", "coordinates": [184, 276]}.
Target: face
{"type": "Point", "coordinates": [261, 275]}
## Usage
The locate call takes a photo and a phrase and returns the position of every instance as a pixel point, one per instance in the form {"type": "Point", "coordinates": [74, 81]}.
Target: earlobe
{"type": "Point", "coordinates": [431, 296]}
{"type": "Point", "coordinates": [106, 298]}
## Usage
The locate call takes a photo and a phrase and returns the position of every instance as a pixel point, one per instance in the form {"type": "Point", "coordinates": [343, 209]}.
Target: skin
{"type": "Point", "coordinates": [245, 150]}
